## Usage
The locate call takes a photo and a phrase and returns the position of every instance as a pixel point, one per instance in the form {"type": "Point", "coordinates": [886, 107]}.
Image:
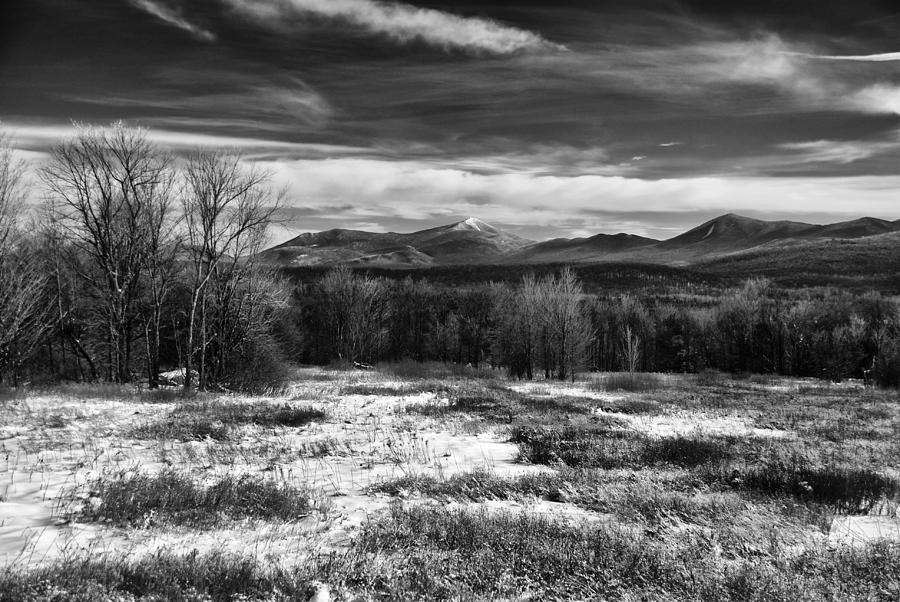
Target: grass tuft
{"type": "Point", "coordinates": [500, 405]}
{"type": "Point", "coordinates": [193, 577]}
{"type": "Point", "coordinates": [609, 448]}
{"type": "Point", "coordinates": [217, 420]}
{"type": "Point", "coordinates": [174, 498]}
{"type": "Point", "coordinates": [453, 554]}
{"type": "Point", "coordinates": [850, 490]}
{"type": "Point", "coordinates": [424, 386]}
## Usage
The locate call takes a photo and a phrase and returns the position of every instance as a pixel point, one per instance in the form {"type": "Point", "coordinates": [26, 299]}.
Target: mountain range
{"type": "Point", "coordinates": [473, 241]}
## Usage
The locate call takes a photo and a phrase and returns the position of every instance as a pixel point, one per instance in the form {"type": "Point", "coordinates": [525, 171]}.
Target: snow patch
{"type": "Point", "coordinates": [863, 530]}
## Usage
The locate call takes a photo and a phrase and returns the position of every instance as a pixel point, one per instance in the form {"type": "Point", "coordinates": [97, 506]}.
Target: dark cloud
{"type": "Point", "coordinates": [646, 90]}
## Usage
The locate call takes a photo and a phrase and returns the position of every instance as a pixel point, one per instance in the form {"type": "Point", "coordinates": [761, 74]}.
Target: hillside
{"type": "Point", "coordinates": [731, 232]}
{"type": "Point", "coordinates": [579, 250]}
{"type": "Point", "coordinates": [461, 242]}
{"type": "Point", "coordinates": [863, 262]}
{"type": "Point", "coordinates": [727, 243]}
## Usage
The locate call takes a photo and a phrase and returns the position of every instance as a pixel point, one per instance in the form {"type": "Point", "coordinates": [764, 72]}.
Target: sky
{"type": "Point", "coordinates": [563, 118]}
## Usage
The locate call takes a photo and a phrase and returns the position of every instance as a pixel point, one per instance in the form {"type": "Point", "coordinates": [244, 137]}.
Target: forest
{"type": "Point", "coordinates": [136, 263]}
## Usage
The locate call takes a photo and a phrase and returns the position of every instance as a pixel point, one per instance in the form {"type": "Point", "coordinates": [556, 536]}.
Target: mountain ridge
{"type": "Point", "coordinates": [473, 241]}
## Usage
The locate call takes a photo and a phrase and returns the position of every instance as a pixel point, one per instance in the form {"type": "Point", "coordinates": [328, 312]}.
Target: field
{"type": "Point", "coordinates": [421, 482]}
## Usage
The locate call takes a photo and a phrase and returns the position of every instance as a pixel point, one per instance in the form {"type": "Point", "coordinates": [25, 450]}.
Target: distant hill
{"type": "Point", "coordinates": [466, 241]}
{"type": "Point", "coordinates": [859, 228]}
{"type": "Point", "coordinates": [579, 250]}
{"type": "Point", "coordinates": [862, 262]}
{"type": "Point", "coordinates": [730, 240]}
{"type": "Point", "coordinates": [732, 232]}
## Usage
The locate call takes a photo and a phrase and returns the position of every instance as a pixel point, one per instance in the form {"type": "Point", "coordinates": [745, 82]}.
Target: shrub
{"type": "Point", "coordinates": [8, 394]}
{"type": "Point", "coordinates": [710, 378]}
{"type": "Point", "coordinates": [887, 366]}
{"type": "Point", "coordinates": [634, 382]}
{"type": "Point", "coordinates": [409, 369]}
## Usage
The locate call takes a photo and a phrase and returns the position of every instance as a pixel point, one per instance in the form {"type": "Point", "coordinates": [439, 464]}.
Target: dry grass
{"type": "Point", "coordinates": [139, 500]}
{"type": "Point", "coordinates": [610, 447]}
{"type": "Point", "coordinates": [632, 382]}
{"type": "Point", "coordinates": [673, 514]}
{"type": "Point", "coordinates": [218, 420]}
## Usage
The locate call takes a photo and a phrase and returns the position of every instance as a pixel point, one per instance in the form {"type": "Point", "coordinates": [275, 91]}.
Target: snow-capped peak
{"type": "Point", "coordinates": [473, 223]}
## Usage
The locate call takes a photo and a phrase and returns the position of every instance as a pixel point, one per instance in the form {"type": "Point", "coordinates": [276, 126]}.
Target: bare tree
{"type": "Point", "coordinates": [567, 329]}
{"type": "Point", "coordinates": [104, 183]}
{"type": "Point", "coordinates": [68, 302]}
{"type": "Point", "coordinates": [162, 244]}
{"type": "Point", "coordinates": [631, 350]}
{"type": "Point", "coordinates": [519, 325]}
{"type": "Point", "coordinates": [12, 193]}
{"type": "Point", "coordinates": [24, 305]}
{"type": "Point", "coordinates": [355, 310]}
{"type": "Point", "coordinates": [227, 208]}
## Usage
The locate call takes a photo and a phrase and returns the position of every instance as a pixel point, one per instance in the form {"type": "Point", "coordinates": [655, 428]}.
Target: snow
{"type": "Point", "coordinates": [857, 531]}
{"type": "Point", "coordinates": [365, 440]}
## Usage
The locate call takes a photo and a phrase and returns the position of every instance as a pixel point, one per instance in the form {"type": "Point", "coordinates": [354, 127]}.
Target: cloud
{"type": "Point", "coordinates": [388, 191]}
{"type": "Point", "coordinates": [805, 77]}
{"type": "Point", "coordinates": [174, 18]}
{"type": "Point", "coordinates": [400, 22]}
{"type": "Point", "coordinates": [838, 151]}
{"type": "Point", "coordinates": [763, 74]}
{"type": "Point", "coordinates": [878, 99]}
{"type": "Point", "coordinates": [864, 58]}
{"type": "Point", "coordinates": [36, 139]}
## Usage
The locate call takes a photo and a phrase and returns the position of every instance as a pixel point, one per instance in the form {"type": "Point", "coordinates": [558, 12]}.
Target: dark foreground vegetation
{"type": "Point", "coordinates": [444, 554]}
{"type": "Point", "coordinates": [452, 554]}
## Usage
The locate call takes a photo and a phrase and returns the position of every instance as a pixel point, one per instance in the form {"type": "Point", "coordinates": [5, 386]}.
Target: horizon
{"type": "Point", "coordinates": [460, 221]}
{"type": "Point", "coordinates": [546, 121]}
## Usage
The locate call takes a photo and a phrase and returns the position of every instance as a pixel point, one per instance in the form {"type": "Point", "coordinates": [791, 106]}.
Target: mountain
{"type": "Point", "coordinates": [595, 248]}
{"type": "Point", "coordinates": [473, 241]}
{"type": "Point", "coordinates": [866, 262]}
{"type": "Point", "coordinates": [733, 232]}
{"type": "Point", "coordinates": [470, 240]}
{"type": "Point", "coordinates": [858, 228]}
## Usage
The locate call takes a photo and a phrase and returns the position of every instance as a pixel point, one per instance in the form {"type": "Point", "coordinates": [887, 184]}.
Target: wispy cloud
{"type": "Point", "coordinates": [173, 17]}
{"type": "Point", "coordinates": [885, 57]}
{"type": "Point", "coordinates": [842, 152]}
{"type": "Point", "coordinates": [38, 138]}
{"type": "Point", "coordinates": [402, 23]}
{"type": "Point", "coordinates": [802, 76]}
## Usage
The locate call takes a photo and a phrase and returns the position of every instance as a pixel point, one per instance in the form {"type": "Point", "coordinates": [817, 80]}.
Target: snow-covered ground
{"type": "Point", "coordinates": [52, 445]}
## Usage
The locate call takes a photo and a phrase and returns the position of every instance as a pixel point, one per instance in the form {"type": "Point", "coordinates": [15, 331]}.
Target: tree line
{"type": "Point", "coordinates": [550, 327]}
{"type": "Point", "coordinates": [135, 260]}
{"type": "Point", "coordinates": [138, 262]}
